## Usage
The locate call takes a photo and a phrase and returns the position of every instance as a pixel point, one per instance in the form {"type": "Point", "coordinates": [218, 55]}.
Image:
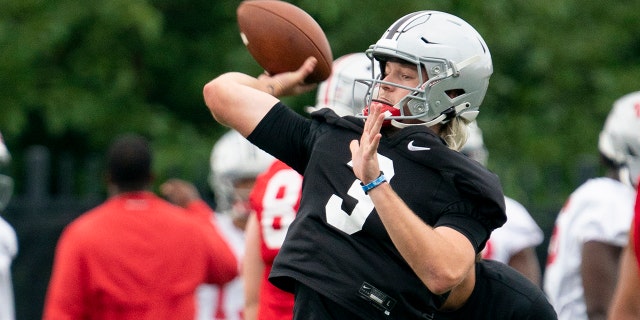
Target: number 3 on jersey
{"type": "Point", "coordinates": [351, 223]}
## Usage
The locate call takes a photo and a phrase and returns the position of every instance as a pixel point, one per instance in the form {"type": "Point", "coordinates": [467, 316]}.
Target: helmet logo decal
{"type": "Point", "coordinates": [400, 24]}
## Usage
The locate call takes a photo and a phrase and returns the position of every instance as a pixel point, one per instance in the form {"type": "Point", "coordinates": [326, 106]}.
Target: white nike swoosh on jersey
{"type": "Point", "coordinates": [411, 147]}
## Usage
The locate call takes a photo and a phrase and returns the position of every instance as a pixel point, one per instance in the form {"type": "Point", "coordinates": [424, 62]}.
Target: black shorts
{"type": "Point", "coordinates": [310, 305]}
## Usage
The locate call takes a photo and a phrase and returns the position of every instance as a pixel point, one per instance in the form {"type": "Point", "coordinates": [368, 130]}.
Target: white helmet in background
{"type": "Point", "coordinates": [620, 138]}
{"type": "Point", "coordinates": [234, 158]}
{"type": "Point", "coordinates": [474, 147]}
{"type": "Point", "coordinates": [6, 182]}
{"type": "Point", "coordinates": [454, 57]}
{"type": "Point", "coordinates": [340, 91]}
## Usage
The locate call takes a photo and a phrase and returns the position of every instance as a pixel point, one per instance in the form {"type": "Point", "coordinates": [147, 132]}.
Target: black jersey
{"type": "Point", "coordinates": [337, 244]}
{"type": "Point", "coordinates": [501, 292]}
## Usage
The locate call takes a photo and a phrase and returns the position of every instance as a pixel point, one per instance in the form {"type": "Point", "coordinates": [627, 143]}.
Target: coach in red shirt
{"type": "Point", "coordinates": [136, 256]}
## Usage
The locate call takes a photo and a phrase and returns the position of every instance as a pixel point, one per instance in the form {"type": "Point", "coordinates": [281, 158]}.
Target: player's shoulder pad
{"type": "Point", "coordinates": [329, 116]}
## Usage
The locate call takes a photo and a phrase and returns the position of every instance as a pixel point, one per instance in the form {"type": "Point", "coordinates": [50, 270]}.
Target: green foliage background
{"type": "Point", "coordinates": [73, 74]}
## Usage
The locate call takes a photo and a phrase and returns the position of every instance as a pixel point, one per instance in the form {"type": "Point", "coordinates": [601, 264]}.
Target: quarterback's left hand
{"type": "Point", "coordinates": [364, 152]}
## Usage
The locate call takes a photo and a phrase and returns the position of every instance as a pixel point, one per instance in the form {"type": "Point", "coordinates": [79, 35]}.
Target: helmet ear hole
{"type": "Point", "coordinates": [454, 93]}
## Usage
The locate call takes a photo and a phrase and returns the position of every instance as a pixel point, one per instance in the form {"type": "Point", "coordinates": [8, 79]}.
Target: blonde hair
{"type": "Point", "coordinates": [455, 133]}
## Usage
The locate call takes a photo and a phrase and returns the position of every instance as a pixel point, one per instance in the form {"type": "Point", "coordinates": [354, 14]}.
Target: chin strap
{"type": "Point", "coordinates": [386, 109]}
{"type": "Point", "coordinates": [444, 117]}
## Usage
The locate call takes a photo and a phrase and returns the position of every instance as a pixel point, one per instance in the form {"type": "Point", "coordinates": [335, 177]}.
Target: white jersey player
{"type": "Point", "coordinates": [514, 243]}
{"type": "Point", "coordinates": [518, 233]}
{"type": "Point", "coordinates": [593, 225]}
{"type": "Point", "coordinates": [226, 302]}
{"type": "Point", "coordinates": [235, 163]}
{"type": "Point", "coordinates": [341, 92]}
{"type": "Point", "coordinates": [8, 241]}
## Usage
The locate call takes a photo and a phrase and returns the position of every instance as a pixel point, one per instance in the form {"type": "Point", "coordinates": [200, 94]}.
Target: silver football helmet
{"type": "Point", "coordinates": [6, 182]}
{"type": "Point", "coordinates": [340, 92]}
{"type": "Point", "coordinates": [454, 57]}
{"type": "Point", "coordinates": [474, 148]}
{"type": "Point", "coordinates": [620, 138]}
{"type": "Point", "coordinates": [234, 158]}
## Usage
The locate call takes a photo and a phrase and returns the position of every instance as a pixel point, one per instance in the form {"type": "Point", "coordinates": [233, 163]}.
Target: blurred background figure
{"type": "Point", "coordinates": [135, 256]}
{"type": "Point", "coordinates": [340, 92]}
{"type": "Point", "coordinates": [8, 239]}
{"type": "Point", "coordinates": [276, 197]}
{"type": "Point", "coordinates": [593, 225]}
{"type": "Point", "coordinates": [235, 164]}
{"type": "Point", "coordinates": [515, 242]}
{"type": "Point", "coordinates": [625, 304]}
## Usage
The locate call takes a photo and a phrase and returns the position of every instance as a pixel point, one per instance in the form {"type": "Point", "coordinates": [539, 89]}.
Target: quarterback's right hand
{"type": "Point", "coordinates": [290, 83]}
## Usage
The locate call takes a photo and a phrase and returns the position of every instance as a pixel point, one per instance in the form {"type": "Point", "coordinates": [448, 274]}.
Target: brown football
{"type": "Point", "coordinates": [280, 36]}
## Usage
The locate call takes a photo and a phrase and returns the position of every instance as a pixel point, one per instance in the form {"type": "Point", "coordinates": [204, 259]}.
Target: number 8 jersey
{"type": "Point", "coordinates": [275, 198]}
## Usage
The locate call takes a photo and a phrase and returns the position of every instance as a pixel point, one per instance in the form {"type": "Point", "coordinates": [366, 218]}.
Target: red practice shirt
{"type": "Point", "coordinates": [136, 256]}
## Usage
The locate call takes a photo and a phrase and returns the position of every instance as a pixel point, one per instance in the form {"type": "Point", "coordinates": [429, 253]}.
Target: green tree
{"type": "Point", "coordinates": [74, 74]}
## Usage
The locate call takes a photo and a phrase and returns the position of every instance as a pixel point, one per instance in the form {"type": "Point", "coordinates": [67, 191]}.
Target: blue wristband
{"type": "Point", "coordinates": [378, 181]}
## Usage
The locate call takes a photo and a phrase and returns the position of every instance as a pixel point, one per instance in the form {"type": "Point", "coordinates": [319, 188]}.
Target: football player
{"type": "Point", "coordinates": [235, 164]}
{"type": "Point", "coordinates": [392, 216]}
{"type": "Point", "coordinates": [593, 225]}
{"type": "Point", "coordinates": [515, 242]}
{"type": "Point", "coordinates": [625, 299]}
{"type": "Point", "coordinates": [8, 239]}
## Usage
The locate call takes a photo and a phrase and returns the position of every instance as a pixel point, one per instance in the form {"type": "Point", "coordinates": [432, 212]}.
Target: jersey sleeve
{"type": "Point", "coordinates": [480, 211]}
{"type": "Point", "coordinates": [224, 265]}
{"type": "Point", "coordinates": [293, 143]}
{"type": "Point", "coordinates": [521, 231]}
{"type": "Point", "coordinates": [607, 222]}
